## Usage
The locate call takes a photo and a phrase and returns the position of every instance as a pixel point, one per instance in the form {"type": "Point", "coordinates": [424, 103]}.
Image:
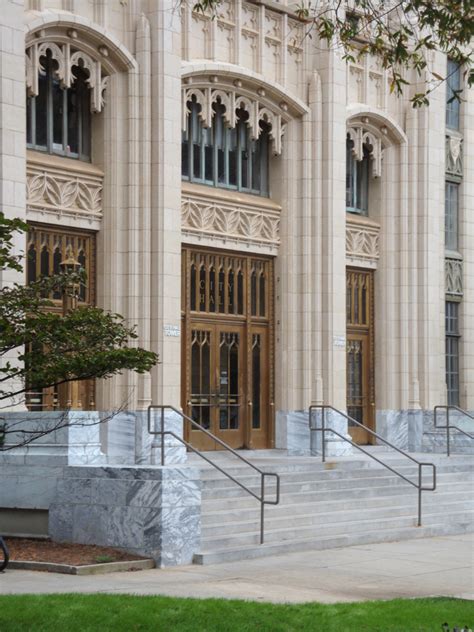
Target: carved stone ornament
{"type": "Point", "coordinates": [64, 193]}
{"type": "Point", "coordinates": [66, 57]}
{"type": "Point", "coordinates": [453, 270]}
{"type": "Point", "coordinates": [361, 137]}
{"type": "Point", "coordinates": [362, 242]}
{"type": "Point", "coordinates": [222, 220]}
{"type": "Point", "coordinates": [233, 100]}
{"type": "Point", "coordinates": [454, 155]}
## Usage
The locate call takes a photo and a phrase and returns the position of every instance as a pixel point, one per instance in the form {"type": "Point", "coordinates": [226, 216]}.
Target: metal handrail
{"type": "Point", "coordinates": [261, 498]}
{"type": "Point", "coordinates": [420, 464]}
{"type": "Point", "coordinates": [448, 426]}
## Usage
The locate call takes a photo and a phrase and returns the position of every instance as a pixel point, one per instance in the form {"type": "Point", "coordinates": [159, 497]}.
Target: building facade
{"type": "Point", "coordinates": [282, 229]}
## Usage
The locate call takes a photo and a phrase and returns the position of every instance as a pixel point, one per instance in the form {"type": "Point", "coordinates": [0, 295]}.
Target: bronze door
{"type": "Point", "coordinates": [360, 354]}
{"type": "Point", "coordinates": [217, 391]}
{"type": "Point", "coordinates": [227, 377]}
{"type": "Point", "coordinates": [46, 248]}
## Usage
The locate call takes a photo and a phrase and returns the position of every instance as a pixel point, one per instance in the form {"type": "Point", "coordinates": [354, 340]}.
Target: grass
{"type": "Point", "coordinates": [128, 613]}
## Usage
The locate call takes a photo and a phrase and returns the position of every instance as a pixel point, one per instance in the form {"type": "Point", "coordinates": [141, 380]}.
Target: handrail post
{"type": "Point", "coordinates": [323, 426]}
{"type": "Point", "coordinates": [447, 431]}
{"type": "Point", "coordinates": [162, 436]}
{"type": "Point", "coordinates": [419, 493]}
{"type": "Point", "coordinates": [262, 506]}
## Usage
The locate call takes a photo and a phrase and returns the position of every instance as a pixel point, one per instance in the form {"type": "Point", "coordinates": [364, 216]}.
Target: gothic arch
{"type": "Point", "coordinates": [226, 84]}
{"type": "Point", "coordinates": [72, 40]}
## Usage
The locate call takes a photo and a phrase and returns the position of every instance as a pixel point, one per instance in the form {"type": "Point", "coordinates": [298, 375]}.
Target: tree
{"type": "Point", "coordinates": [402, 34]}
{"type": "Point", "coordinates": [42, 349]}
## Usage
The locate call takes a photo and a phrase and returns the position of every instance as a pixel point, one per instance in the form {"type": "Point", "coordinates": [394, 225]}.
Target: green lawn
{"type": "Point", "coordinates": [127, 613]}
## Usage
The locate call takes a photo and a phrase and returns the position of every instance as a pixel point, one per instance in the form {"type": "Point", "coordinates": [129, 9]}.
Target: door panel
{"type": "Point", "coordinates": [217, 385]}
{"type": "Point", "coordinates": [358, 404]}
{"type": "Point", "coordinates": [227, 345]}
{"type": "Point", "coordinates": [360, 353]}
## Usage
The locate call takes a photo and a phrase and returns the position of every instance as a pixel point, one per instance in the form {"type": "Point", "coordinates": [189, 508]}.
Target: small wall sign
{"type": "Point", "coordinates": [339, 341]}
{"type": "Point", "coordinates": [172, 330]}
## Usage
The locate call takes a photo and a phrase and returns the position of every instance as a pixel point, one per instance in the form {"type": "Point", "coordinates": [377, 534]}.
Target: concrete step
{"type": "Point", "coordinates": [223, 490]}
{"type": "Point", "coordinates": [313, 496]}
{"type": "Point", "coordinates": [236, 512]}
{"type": "Point", "coordinates": [329, 529]}
{"type": "Point", "coordinates": [218, 523]}
{"type": "Point", "coordinates": [217, 556]}
{"type": "Point", "coordinates": [312, 474]}
{"type": "Point", "coordinates": [342, 502]}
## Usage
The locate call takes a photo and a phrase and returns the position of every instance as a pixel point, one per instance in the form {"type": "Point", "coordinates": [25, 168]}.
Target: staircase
{"type": "Point", "coordinates": [345, 501]}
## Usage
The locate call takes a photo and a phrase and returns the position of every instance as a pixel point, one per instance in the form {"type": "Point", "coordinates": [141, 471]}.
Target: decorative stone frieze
{"type": "Point", "coordinates": [453, 269]}
{"type": "Point", "coordinates": [362, 242]}
{"type": "Point", "coordinates": [232, 99]}
{"type": "Point", "coordinates": [454, 156]}
{"type": "Point", "coordinates": [361, 136]}
{"type": "Point", "coordinates": [58, 189]}
{"type": "Point", "coordinates": [245, 222]}
{"type": "Point", "coordinates": [266, 41]}
{"type": "Point", "coordinates": [66, 57]}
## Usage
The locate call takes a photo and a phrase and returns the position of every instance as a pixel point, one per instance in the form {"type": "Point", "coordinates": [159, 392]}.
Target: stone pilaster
{"type": "Point", "coordinates": [165, 197]}
{"type": "Point", "coordinates": [12, 130]}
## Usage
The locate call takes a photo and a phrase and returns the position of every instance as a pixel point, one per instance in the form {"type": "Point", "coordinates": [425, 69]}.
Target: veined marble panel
{"type": "Point", "coordinates": [151, 511]}
{"type": "Point", "coordinates": [292, 432]}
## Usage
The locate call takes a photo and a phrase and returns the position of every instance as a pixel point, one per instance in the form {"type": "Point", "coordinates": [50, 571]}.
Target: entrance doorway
{"type": "Point", "coordinates": [360, 353]}
{"type": "Point", "coordinates": [227, 345]}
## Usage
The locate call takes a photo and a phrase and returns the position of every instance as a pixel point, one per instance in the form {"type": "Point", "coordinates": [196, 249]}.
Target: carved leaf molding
{"type": "Point", "coordinates": [362, 243]}
{"type": "Point", "coordinates": [453, 269]}
{"type": "Point", "coordinates": [64, 193]}
{"type": "Point", "coordinates": [224, 221]}
{"type": "Point", "coordinates": [454, 155]}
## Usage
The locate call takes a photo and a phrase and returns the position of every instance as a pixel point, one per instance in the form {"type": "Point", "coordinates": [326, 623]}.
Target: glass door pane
{"type": "Point", "coordinates": [201, 394]}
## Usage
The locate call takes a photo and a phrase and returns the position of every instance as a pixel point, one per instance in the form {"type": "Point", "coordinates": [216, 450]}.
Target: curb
{"type": "Point", "coordinates": [89, 569]}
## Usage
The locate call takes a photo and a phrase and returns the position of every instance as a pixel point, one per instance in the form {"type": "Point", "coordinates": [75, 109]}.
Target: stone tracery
{"type": "Point", "coordinates": [66, 57]}
{"type": "Point", "coordinates": [232, 100]}
{"type": "Point", "coordinates": [363, 137]}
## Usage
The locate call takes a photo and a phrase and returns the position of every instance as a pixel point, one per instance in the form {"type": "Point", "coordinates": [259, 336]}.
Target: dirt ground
{"type": "Point", "coordinates": [23, 549]}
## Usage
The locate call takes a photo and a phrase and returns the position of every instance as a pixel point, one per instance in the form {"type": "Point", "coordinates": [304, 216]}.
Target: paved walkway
{"type": "Point", "coordinates": [413, 568]}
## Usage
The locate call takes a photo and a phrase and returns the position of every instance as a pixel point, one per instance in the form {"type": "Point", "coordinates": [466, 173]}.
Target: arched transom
{"type": "Point", "coordinates": [66, 56]}
{"type": "Point", "coordinates": [370, 138]}
{"type": "Point", "coordinates": [235, 97]}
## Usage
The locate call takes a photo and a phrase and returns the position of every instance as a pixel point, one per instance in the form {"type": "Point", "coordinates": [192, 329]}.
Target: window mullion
{"type": "Point", "coordinates": [239, 157]}
{"type": "Point", "coordinates": [65, 116]}
{"type": "Point", "coordinates": [49, 110]}
{"type": "Point", "coordinates": [33, 121]}
{"type": "Point", "coordinates": [190, 144]}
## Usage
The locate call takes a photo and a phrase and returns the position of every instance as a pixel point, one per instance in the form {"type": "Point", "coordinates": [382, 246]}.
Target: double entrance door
{"type": "Point", "coordinates": [227, 381]}
{"type": "Point", "coordinates": [360, 353]}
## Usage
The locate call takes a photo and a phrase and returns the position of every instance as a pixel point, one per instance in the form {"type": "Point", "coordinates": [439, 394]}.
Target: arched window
{"type": "Point", "coordinates": [357, 179]}
{"type": "Point", "coordinates": [225, 157]}
{"type": "Point", "coordinates": [58, 118]}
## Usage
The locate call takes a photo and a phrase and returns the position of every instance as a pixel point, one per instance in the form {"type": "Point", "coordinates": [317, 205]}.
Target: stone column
{"type": "Point", "coordinates": [466, 235]}
{"type": "Point", "coordinates": [12, 130]}
{"type": "Point", "coordinates": [165, 29]}
{"type": "Point", "coordinates": [332, 291]}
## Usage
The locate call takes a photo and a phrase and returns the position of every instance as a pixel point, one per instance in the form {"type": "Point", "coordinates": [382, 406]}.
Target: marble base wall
{"type": "Point", "coordinates": [292, 432]}
{"type": "Point", "coordinates": [148, 447]}
{"type": "Point", "coordinates": [435, 439]}
{"type": "Point", "coordinates": [414, 430]}
{"type": "Point", "coordinates": [154, 512]}
{"type": "Point", "coordinates": [59, 438]}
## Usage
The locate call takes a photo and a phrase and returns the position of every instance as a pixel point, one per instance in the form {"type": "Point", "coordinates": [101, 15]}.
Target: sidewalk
{"type": "Point", "coordinates": [441, 566]}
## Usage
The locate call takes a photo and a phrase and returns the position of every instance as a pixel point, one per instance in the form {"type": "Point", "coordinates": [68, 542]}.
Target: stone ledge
{"type": "Point", "coordinates": [88, 569]}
